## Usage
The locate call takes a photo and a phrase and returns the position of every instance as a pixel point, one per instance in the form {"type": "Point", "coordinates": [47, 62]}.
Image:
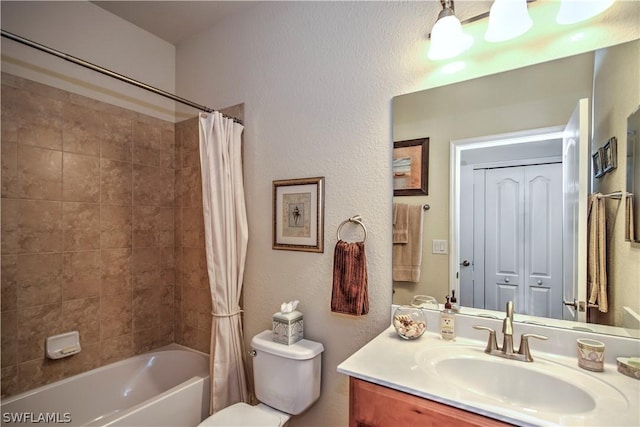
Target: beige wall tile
{"type": "Point", "coordinates": [116, 137]}
{"type": "Point", "coordinates": [40, 226]}
{"type": "Point", "coordinates": [166, 227]}
{"type": "Point", "coordinates": [87, 359]}
{"type": "Point", "coordinates": [81, 179]}
{"type": "Point", "coordinates": [148, 339]}
{"type": "Point", "coordinates": [9, 162]}
{"type": "Point", "coordinates": [81, 226]}
{"type": "Point", "coordinates": [191, 187]}
{"type": "Point", "coordinates": [117, 348]}
{"type": "Point", "coordinates": [146, 185]}
{"type": "Point", "coordinates": [152, 307]}
{"type": "Point", "coordinates": [9, 330]}
{"type": "Point", "coordinates": [116, 182]}
{"type": "Point", "coordinates": [40, 121]}
{"type": "Point", "coordinates": [9, 102]}
{"type": "Point", "coordinates": [39, 173]}
{"type": "Point", "coordinates": [192, 228]}
{"type": "Point", "coordinates": [116, 315]}
{"type": "Point", "coordinates": [146, 226]}
{"type": "Point", "coordinates": [82, 315]}
{"type": "Point", "coordinates": [116, 271]}
{"type": "Point", "coordinates": [80, 275]}
{"type": "Point", "coordinates": [81, 129]}
{"type": "Point", "coordinates": [145, 267]}
{"type": "Point", "coordinates": [35, 325]}
{"type": "Point", "coordinates": [38, 372]}
{"type": "Point", "coordinates": [9, 276]}
{"type": "Point", "coordinates": [10, 235]}
{"type": "Point", "coordinates": [194, 268]}
{"type": "Point", "coordinates": [115, 227]}
{"type": "Point", "coordinates": [39, 279]}
{"type": "Point", "coordinates": [146, 143]}
{"type": "Point", "coordinates": [166, 188]}
{"type": "Point", "coordinates": [9, 381]}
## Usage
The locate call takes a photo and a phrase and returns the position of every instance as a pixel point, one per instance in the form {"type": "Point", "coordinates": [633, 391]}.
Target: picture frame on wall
{"type": "Point", "coordinates": [411, 167]}
{"type": "Point", "coordinates": [597, 164]}
{"type": "Point", "coordinates": [298, 214]}
{"type": "Point", "coordinates": [610, 155]}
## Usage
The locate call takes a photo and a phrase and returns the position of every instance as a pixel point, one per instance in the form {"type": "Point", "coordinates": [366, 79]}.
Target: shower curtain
{"type": "Point", "coordinates": [226, 235]}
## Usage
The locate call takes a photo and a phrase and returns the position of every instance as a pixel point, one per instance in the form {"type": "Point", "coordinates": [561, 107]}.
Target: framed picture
{"type": "Point", "coordinates": [411, 167]}
{"type": "Point", "coordinates": [597, 164]}
{"type": "Point", "coordinates": [610, 155]}
{"type": "Point", "coordinates": [298, 214]}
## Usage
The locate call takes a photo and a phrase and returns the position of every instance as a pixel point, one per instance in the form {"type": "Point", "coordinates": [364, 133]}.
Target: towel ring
{"type": "Point", "coordinates": [358, 220]}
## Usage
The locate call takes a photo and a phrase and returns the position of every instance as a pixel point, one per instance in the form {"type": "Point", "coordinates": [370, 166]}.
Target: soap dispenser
{"type": "Point", "coordinates": [454, 302]}
{"type": "Point", "coordinates": [447, 322]}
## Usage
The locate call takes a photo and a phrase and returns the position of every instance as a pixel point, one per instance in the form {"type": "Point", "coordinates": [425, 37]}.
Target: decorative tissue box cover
{"type": "Point", "coordinates": [288, 328]}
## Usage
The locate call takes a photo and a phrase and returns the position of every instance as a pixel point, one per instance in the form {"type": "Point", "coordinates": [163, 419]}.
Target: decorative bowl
{"type": "Point", "coordinates": [410, 322]}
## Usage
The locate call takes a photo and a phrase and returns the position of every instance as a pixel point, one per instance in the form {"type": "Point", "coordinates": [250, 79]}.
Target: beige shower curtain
{"type": "Point", "coordinates": [226, 235]}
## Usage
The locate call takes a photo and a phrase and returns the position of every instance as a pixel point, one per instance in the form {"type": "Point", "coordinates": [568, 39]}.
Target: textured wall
{"type": "Point", "coordinates": [317, 80]}
{"type": "Point", "coordinates": [617, 96]}
{"type": "Point", "coordinates": [87, 231]}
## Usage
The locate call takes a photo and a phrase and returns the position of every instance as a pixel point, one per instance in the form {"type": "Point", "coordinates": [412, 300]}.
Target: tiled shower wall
{"type": "Point", "coordinates": [88, 228]}
{"type": "Point", "coordinates": [193, 299]}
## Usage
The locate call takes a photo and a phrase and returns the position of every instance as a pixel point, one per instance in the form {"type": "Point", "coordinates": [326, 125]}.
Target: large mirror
{"type": "Point", "coordinates": [506, 131]}
{"type": "Point", "coordinates": [633, 177]}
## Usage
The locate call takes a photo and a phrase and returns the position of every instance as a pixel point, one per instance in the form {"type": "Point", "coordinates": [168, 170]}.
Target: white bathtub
{"type": "Point", "coordinates": [166, 387]}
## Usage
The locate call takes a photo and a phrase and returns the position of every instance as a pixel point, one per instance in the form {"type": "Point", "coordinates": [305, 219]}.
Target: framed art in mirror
{"type": "Point", "coordinates": [610, 154]}
{"type": "Point", "coordinates": [411, 167]}
{"type": "Point", "coordinates": [597, 164]}
{"type": "Point", "coordinates": [298, 214]}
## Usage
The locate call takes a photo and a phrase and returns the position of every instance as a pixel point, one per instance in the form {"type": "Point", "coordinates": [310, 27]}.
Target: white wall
{"type": "Point", "coordinates": [88, 32]}
{"type": "Point", "coordinates": [317, 80]}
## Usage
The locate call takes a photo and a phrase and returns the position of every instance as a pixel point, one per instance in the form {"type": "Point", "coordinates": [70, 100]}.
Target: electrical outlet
{"type": "Point", "coordinates": [439, 246]}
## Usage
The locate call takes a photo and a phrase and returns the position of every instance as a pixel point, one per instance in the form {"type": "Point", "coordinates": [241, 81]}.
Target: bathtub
{"type": "Point", "coordinates": [166, 387]}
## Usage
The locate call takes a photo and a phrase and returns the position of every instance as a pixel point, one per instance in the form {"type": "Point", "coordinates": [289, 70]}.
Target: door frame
{"type": "Point", "coordinates": [456, 148]}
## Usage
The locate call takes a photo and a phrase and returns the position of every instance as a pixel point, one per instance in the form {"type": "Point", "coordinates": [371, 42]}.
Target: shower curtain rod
{"type": "Point", "coordinates": [109, 73]}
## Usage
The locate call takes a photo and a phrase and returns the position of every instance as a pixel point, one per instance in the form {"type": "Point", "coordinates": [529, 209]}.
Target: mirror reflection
{"type": "Point", "coordinates": [507, 220]}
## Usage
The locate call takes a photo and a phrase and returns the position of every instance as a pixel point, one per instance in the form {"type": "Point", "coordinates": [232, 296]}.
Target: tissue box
{"type": "Point", "coordinates": [288, 327]}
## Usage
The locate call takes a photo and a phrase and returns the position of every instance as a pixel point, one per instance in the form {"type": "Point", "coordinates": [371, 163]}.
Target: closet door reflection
{"type": "Point", "coordinates": [521, 234]}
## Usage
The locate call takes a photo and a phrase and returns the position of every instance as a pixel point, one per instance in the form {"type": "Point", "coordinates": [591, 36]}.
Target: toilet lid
{"type": "Point", "coordinates": [241, 414]}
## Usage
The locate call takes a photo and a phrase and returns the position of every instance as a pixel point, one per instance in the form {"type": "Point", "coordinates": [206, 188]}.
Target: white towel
{"type": "Point", "coordinates": [597, 253]}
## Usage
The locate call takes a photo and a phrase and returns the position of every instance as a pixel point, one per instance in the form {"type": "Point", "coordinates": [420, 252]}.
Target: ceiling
{"type": "Point", "coordinates": [174, 21]}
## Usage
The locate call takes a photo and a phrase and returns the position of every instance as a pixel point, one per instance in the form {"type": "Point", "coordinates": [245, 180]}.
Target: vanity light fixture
{"type": "Point", "coordinates": [447, 38]}
{"type": "Point", "coordinates": [573, 11]}
{"type": "Point", "coordinates": [508, 19]}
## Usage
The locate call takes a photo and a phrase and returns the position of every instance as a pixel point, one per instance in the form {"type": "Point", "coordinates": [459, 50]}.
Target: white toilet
{"type": "Point", "coordinates": [286, 380]}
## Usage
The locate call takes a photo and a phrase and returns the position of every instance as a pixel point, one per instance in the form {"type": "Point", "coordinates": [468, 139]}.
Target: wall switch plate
{"type": "Point", "coordinates": [439, 246]}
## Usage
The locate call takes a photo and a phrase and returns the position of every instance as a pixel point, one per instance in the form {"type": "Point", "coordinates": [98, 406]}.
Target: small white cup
{"type": "Point", "coordinates": [591, 354]}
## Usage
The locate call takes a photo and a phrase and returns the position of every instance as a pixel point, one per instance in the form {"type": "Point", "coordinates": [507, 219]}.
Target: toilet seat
{"type": "Point", "coordinates": [243, 415]}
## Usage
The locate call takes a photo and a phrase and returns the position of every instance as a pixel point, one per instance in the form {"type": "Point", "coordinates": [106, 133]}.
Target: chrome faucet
{"type": "Point", "coordinates": [507, 350]}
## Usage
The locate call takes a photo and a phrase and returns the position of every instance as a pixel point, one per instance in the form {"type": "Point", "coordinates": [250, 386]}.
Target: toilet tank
{"type": "Point", "coordinates": [286, 377]}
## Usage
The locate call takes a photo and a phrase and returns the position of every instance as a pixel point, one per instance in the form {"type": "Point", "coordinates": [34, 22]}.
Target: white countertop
{"type": "Point", "coordinates": [392, 362]}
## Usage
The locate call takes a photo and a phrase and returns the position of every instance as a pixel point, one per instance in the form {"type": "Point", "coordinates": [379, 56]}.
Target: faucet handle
{"type": "Point", "coordinates": [524, 345]}
{"type": "Point", "coordinates": [492, 343]}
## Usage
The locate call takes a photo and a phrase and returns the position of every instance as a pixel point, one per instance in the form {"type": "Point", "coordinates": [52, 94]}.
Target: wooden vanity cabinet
{"type": "Point", "coordinates": [372, 405]}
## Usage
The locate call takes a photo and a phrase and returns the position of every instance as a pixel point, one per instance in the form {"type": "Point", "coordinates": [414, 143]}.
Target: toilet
{"type": "Point", "coordinates": [286, 380]}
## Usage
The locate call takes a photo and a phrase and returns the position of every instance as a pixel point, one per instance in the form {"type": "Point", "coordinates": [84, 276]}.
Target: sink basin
{"type": "Point", "coordinates": [539, 387]}
{"type": "Point", "coordinates": [515, 385]}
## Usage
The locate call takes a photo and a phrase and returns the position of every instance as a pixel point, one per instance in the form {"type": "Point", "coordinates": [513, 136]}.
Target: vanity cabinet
{"type": "Point", "coordinates": [372, 405]}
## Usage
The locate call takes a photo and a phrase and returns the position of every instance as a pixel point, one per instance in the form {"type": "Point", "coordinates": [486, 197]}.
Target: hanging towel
{"type": "Point", "coordinates": [400, 223]}
{"type": "Point", "coordinates": [407, 257]}
{"type": "Point", "coordinates": [350, 294]}
{"type": "Point", "coordinates": [597, 253]}
{"type": "Point", "coordinates": [631, 232]}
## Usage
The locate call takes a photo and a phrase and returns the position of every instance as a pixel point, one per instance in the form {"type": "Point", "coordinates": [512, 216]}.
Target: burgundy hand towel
{"type": "Point", "coordinates": [350, 294]}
